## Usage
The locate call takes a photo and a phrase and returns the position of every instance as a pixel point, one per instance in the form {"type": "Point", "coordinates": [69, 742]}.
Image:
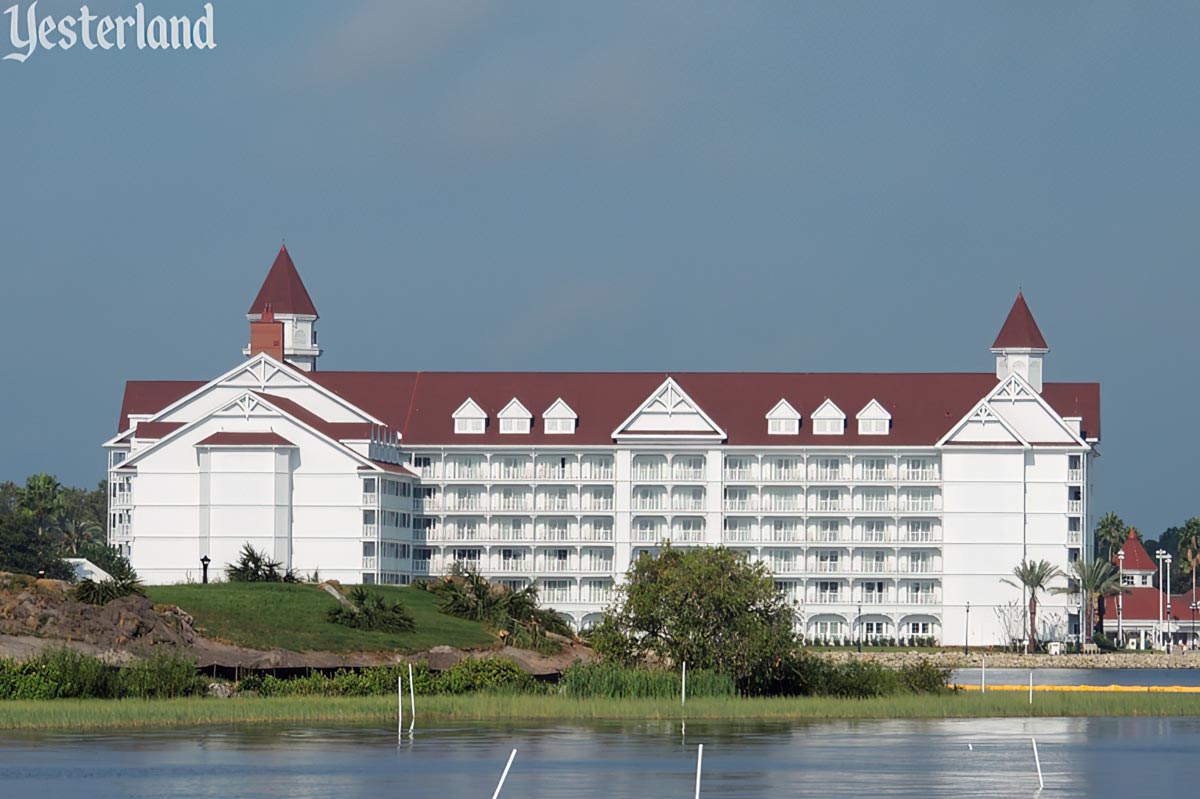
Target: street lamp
{"type": "Point", "coordinates": [204, 561]}
{"type": "Point", "coordinates": [967, 636]}
{"type": "Point", "coordinates": [1168, 595]}
{"type": "Point", "coordinates": [1195, 606]}
{"type": "Point", "coordinates": [858, 621]}
{"type": "Point", "coordinates": [1120, 595]}
{"type": "Point", "coordinates": [1159, 556]}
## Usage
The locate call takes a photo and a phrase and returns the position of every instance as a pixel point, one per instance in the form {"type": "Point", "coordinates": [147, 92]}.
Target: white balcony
{"type": "Point", "coordinates": [370, 530]}
{"type": "Point", "coordinates": [1074, 506]}
{"type": "Point", "coordinates": [648, 536]}
{"type": "Point", "coordinates": [1074, 537]}
{"type": "Point", "coordinates": [597, 503]}
{"type": "Point", "coordinates": [741, 536]}
{"type": "Point", "coordinates": [554, 595]}
{"type": "Point", "coordinates": [916, 567]}
{"type": "Point", "coordinates": [828, 597]}
{"type": "Point", "coordinates": [368, 563]}
{"type": "Point", "coordinates": [424, 504]}
{"type": "Point", "coordinates": [740, 505]}
{"type": "Point", "coordinates": [369, 499]}
{"type": "Point", "coordinates": [598, 596]}
{"type": "Point", "coordinates": [597, 565]}
{"type": "Point", "coordinates": [687, 536]}
{"type": "Point", "coordinates": [829, 475]}
{"type": "Point", "coordinates": [872, 504]}
{"type": "Point", "coordinates": [553, 473]}
{"type": "Point", "coordinates": [556, 503]}
{"type": "Point", "coordinates": [874, 536]}
{"type": "Point", "coordinates": [596, 534]}
{"type": "Point", "coordinates": [1074, 475]}
{"type": "Point", "coordinates": [598, 472]}
{"type": "Point", "coordinates": [827, 535]}
{"type": "Point", "coordinates": [827, 567]}
{"type": "Point", "coordinates": [874, 475]}
{"type": "Point", "coordinates": [739, 474]}
{"type": "Point", "coordinates": [793, 535]}
{"type": "Point", "coordinates": [874, 598]}
{"type": "Point", "coordinates": [786, 476]}
{"type": "Point", "coordinates": [871, 567]}
{"type": "Point", "coordinates": [921, 537]}
{"type": "Point", "coordinates": [920, 504]}
{"type": "Point", "coordinates": [830, 505]}
{"type": "Point", "coordinates": [515, 565]}
{"type": "Point", "coordinates": [555, 535]}
{"type": "Point", "coordinates": [649, 503]}
{"type": "Point", "coordinates": [511, 503]}
{"type": "Point", "coordinates": [478, 472]}
{"type": "Point", "coordinates": [785, 566]}
{"type": "Point", "coordinates": [511, 534]}
{"type": "Point", "coordinates": [123, 498]}
{"type": "Point", "coordinates": [687, 503]}
{"type": "Point", "coordinates": [420, 567]}
{"type": "Point", "coordinates": [918, 475]}
{"type": "Point", "coordinates": [514, 473]}
{"type": "Point", "coordinates": [683, 475]}
{"type": "Point", "coordinates": [467, 502]}
{"type": "Point", "coordinates": [921, 599]}
{"type": "Point", "coordinates": [782, 504]}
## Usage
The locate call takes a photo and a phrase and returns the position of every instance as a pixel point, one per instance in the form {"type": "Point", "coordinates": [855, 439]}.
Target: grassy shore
{"type": "Point", "coordinates": [289, 616]}
{"type": "Point", "coordinates": [381, 711]}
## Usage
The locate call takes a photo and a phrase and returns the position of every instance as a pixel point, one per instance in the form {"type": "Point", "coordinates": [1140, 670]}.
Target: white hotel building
{"type": "Point", "coordinates": [883, 503]}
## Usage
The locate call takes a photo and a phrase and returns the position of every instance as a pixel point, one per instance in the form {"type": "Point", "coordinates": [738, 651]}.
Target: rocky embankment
{"type": "Point", "coordinates": [1010, 660]}
{"type": "Point", "coordinates": [39, 614]}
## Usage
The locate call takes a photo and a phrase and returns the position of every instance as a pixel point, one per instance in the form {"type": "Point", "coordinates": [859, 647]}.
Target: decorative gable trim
{"type": "Point", "coordinates": [783, 410]}
{"type": "Point", "coordinates": [559, 410]}
{"type": "Point", "coordinates": [1014, 390]}
{"type": "Point", "coordinates": [983, 415]}
{"type": "Point", "coordinates": [514, 410]}
{"type": "Point", "coordinates": [258, 374]}
{"type": "Point", "coordinates": [669, 413]}
{"type": "Point", "coordinates": [559, 419]}
{"type": "Point", "coordinates": [783, 420]}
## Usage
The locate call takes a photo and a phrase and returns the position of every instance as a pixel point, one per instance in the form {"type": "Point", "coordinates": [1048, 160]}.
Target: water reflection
{"type": "Point", "coordinates": [933, 758]}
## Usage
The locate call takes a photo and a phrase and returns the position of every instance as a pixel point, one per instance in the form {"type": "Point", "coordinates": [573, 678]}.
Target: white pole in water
{"type": "Point", "coordinates": [983, 678]}
{"type": "Point", "coordinates": [504, 776]}
{"type": "Point", "coordinates": [1031, 687]}
{"type": "Point", "coordinates": [1037, 761]}
{"type": "Point", "coordinates": [400, 704]}
{"type": "Point", "coordinates": [699, 764]}
{"type": "Point", "coordinates": [412, 695]}
{"type": "Point", "coordinates": [683, 686]}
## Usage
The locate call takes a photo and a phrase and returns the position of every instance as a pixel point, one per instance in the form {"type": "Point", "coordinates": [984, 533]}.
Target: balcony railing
{"type": "Point", "coordinates": [874, 536]}
{"type": "Point", "coordinates": [370, 530]}
{"type": "Point", "coordinates": [556, 503]}
{"type": "Point", "coordinates": [687, 503]}
{"type": "Point", "coordinates": [597, 596]}
{"type": "Point", "coordinates": [466, 503]}
{"type": "Point", "coordinates": [649, 503]}
{"type": "Point", "coordinates": [739, 474]}
{"type": "Point", "coordinates": [555, 565]}
{"type": "Point", "coordinates": [916, 567]}
{"type": "Point", "coordinates": [511, 503]}
{"type": "Point", "coordinates": [597, 503]}
{"type": "Point", "coordinates": [827, 567]}
{"type": "Point", "coordinates": [688, 475]}
{"type": "Point", "coordinates": [369, 499]}
{"type": "Point", "coordinates": [829, 475]}
{"type": "Point", "coordinates": [785, 566]}
{"type": "Point", "coordinates": [597, 472]}
{"type": "Point", "coordinates": [648, 536]}
{"type": "Point", "coordinates": [687, 536]}
{"type": "Point", "coordinates": [782, 503]}
{"type": "Point", "coordinates": [739, 535]}
{"type": "Point", "coordinates": [553, 473]}
{"type": "Point", "coordinates": [921, 599]}
{"type": "Point", "coordinates": [828, 597]}
{"type": "Point", "coordinates": [1074, 536]}
{"type": "Point", "coordinates": [786, 475]}
{"type": "Point", "coordinates": [655, 473]}
{"type": "Point", "coordinates": [874, 475]}
{"type": "Point", "coordinates": [554, 595]}
{"type": "Point", "coordinates": [420, 567]}
{"type": "Point", "coordinates": [555, 535]}
{"type": "Point", "coordinates": [463, 534]}
{"type": "Point", "coordinates": [827, 535]}
{"type": "Point", "coordinates": [828, 505]}
{"type": "Point", "coordinates": [472, 472]}
{"type": "Point", "coordinates": [877, 504]}
{"type": "Point", "coordinates": [1074, 475]}
{"type": "Point", "coordinates": [1074, 506]}
{"type": "Point", "coordinates": [124, 498]}
{"type": "Point", "coordinates": [514, 565]}
{"type": "Point", "coordinates": [596, 534]}
{"type": "Point", "coordinates": [874, 567]}
{"type": "Point", "coordinates": [920, 536]}
{"type": "Point", "coordinates": [510, 534]}
{"type": "Point", "coordinates": [786, 535]}
{"type": "Point", "coordinates": [874, 598]}
{"type": "Point", "coordinates": [368, 563]}
{"type": "Point", "coordinates": [598, 565]}
{"type": "Point", "coordinates": [919, 504]}
{"type": "Point", "coordinates": [423, 504]}
{"type": "Point", "coordinates": [918, 475]}
{"type": "Point", "coordinates": [514, 473]}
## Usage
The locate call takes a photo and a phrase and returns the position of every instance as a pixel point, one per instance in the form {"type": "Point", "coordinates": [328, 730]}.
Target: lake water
{"type": "Point", "coordinates": [1097, 758]}
{"type": "Point", "coordinates": [1081, 677]}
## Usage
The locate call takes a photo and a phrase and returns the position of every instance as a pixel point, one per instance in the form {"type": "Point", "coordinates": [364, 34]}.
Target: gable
{"type": "Point", "coordinates": [559, 410]}
{"type": "Point", "coordinates": [263, 374]}
{"type": "Point", "coordinates": [874, 411]}
{"type": "Point", "coordinates": [783, 410]}
{"type": "Point", "coordinates": [469, 410]}
{"type": "Point", "coordinates": [983, 426]}
{"type": "Point", "coordinates": [669, 412]}
{"type": "Point", "coordinates": [827, 410]}
{"type": "Point", "coordinates": [1030, 415]}
{"type": "Point", "coordinates": [514, 410]}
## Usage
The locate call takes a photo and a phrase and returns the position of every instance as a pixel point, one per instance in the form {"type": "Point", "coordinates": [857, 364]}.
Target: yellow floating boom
{"type": "Point", "coordinates": [1127, 689]}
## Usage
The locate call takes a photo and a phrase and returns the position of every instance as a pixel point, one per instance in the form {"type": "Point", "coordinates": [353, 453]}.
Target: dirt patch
{"type": "Point", "coordinates": [39, 614]}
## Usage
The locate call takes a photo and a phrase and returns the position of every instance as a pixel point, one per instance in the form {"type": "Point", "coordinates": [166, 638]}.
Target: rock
{"type": "Point", "coordinates": [219, 690]}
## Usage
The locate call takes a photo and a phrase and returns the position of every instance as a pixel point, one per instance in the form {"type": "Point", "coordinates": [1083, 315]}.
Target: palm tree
{"type": "Point", "coordinates": [1096, 580]}
{"type": "Point", "coordinates": [42, 498]}
{"type": "Point", "coordinates": [1189, 548]}
{"type": "Point", "coordinates": [1111, 535]}
{"type": "Point", "coordinates": [78, 534]}
{"type": "Point", "coordinates": [1034, 577]}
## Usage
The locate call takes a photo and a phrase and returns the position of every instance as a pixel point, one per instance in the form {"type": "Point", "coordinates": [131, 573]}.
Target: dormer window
{"type": "Point", "coordinates": [515, 418]}
{"type": "Point", "coordinates": [828, 420]}
{"type": "Point", "coordinates": [874, 420]}
{"type": "Point", "coordinates": [783, 420]}
{"type": "Point", "coordinates": [559, 419]}
{"type": "Point", "coordinates": [470, 419]}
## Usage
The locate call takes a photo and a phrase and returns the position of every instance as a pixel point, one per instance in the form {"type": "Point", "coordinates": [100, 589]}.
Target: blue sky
{"type": "Point", "coordinates": [472, 185]}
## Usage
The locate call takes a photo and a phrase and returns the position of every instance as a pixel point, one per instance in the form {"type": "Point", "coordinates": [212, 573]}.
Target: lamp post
{"type": "Point", "coordinates": [967, 632]}
{"type": "Point", "coordinates": [1168, 596]}
{"type": "Point", "coordinates": [1120, 595]}
{"type": "Point", "coordinates": [1195, 606]}
{"type": "Point", "coordinates": [204, 561]}
{"type": "Point", "coordinates": [1159, 555]}
{"type": "Point", "coordinates": [858, 622]}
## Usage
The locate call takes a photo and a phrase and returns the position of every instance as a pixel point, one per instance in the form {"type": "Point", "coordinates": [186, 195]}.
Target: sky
{"type": "Point", "coordinates": [613, 186]}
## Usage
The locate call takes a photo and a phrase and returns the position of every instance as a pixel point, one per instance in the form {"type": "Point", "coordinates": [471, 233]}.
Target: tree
{"type": "Point", "coordinates": [23, 551]}
{"type": "Point", "coordinates": [42, 497]}
{"type": "Point", "coordinates": [1189, 548]}
{"type": "Point", "coordinates": [1111, 534]}
{"type": "Point", "coordinates": [1034, 577]}
{"type": "Point", "coordinates": [707, 607]}
{"type": "Point", "coordinates": [1095, 580]}
{"type": "Point", "coordinates": [76, 535]}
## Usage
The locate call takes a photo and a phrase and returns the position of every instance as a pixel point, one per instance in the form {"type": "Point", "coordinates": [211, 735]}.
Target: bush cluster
{"type": "Point", "coordinates": [256, 567]}
{"type": "Point", "coordinates": [67, 674]}
{"type": "Point", "coordinates": [584, 681]}
{"type": "Point", "coordinates": [497, 675]}
{"type": "Point", "coordinates": [805, 674]}
{"type": "Point", "coordinates": [373, 613]}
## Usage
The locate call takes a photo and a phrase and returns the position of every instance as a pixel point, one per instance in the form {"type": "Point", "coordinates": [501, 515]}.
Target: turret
{"type": "Point", "coordinates": [1020, 346]}
{"type": "Point", "coordinates": [283, 302]}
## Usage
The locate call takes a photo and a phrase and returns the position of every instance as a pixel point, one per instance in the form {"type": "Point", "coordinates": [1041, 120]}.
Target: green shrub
{"type": "Point", "coordinates": [163, 674]}
{"type": "Point", "coordinates": [255, 567]}
{"type": "Point", "coordinates": [613, 681]}
{"type": "Point", "coordinates": [57, 674]}
{"type": "Point", "coordinates": [373, 613]}
{"type": "Point", "coordinates": [471, 675]}
{"type": "Point", "coordinates": [105, 591]}
{"type": "Point", "coordinates": [923, 677]}
{"type": "Point", "coordinates": [485, 674]}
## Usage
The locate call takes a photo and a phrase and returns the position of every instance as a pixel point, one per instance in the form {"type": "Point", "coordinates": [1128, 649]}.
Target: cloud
{"type": "Point", "coordinates": [392, 36]}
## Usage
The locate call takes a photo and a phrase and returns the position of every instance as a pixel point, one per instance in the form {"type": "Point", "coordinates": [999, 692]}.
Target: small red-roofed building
{"type": "Point", "coordinates": [884, 503]}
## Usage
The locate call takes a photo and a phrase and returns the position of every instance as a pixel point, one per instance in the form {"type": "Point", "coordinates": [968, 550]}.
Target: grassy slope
{"type": "Point", "coordinates": [275, 615]}
{"type": "Point", "coordinates": [381, 710]}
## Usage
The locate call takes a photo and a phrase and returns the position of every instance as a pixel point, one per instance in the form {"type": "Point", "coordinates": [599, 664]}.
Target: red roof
{"type": "Point", "coordinates": [1136, 557]}
{"type": "Point", "coordinates": [245, 440]}
{"type": "Point", "coordinates": [155, 430]}
{"type": "Point", "coordinates": [1020, 330]}
{"type": "Point", "coordinates": [148, 397]}
{"type": "Point", "coordinates": [419, 404]}
{"type": "Point", "coordinates": [1140, 604]}
{"type": "Point", "coordinates": [283, 289]}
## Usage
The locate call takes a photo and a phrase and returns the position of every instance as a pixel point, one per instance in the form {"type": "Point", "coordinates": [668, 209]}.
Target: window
{"type": "Point", "coordinates": [509, 426]}
{"type": "Point", "coordinates": [468, 426]}
{"type": "Point", "coordinates": [827, 561]}
{"type": "Point", "coordinates": [829, 530]}
{"type": "Point", "coordinates": [368, 517]}
{"type": "Point", "coordinates": [783, 427]}
{"type": "Point", "coordinates": [874, 468]}
{"type": "Point", "coordinates": [560, 426]}
{"type": "Point", "coordinates": [368, 485]}
{"type": "Point", "coordinates": [919, 628]}
{"type": "Point", "coordinates": [872, 427]}
{"type": "Point", "coordinates": [875, 530]}
{"type": "Point", "coordinates": [1127, 579]}
{"type": "Point", "coordinates": [368, 548]}
{"type": "Point", "coordinates": [828, 427]}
